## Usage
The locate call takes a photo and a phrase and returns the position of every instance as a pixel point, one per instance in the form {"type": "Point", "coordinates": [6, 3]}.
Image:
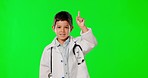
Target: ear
{"type": "Point", "coordinates": [71, 28]}
{"type": "Point", "coordinates": [53, 28]}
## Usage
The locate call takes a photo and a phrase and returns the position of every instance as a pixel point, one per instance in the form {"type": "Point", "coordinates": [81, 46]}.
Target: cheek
{"type": "Point", "coordinates": [56, 30]}
{"type": "Point", "coordinates": [67, 31]}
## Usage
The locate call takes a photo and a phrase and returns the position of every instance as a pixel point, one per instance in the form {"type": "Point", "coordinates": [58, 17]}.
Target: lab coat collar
{"type": "Point", "coordinates": [71, 43]}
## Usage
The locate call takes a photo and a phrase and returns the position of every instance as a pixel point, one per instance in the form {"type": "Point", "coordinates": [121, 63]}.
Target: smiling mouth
{"type": "Point", "coordinates": [62, 34]}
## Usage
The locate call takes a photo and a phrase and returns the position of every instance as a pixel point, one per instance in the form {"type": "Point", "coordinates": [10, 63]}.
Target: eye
{"type": "Point", "coordinates": [67, 27]}
{"type": "Point", "coordinates": [58, 27]}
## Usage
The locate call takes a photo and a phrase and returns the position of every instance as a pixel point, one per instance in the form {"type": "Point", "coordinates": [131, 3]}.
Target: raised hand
{"type": "Point", "coordinates": [81, 23]}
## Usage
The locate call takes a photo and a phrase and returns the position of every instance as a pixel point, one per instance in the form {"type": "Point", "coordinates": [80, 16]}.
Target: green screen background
{"type": "Point", "coordinates": [120, 27]}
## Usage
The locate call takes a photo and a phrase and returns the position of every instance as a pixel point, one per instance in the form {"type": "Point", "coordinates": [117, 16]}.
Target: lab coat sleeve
{"type": "Point", "coordinates": [87, 41]}
{"type": "Point", "coordinates": [44, 64]}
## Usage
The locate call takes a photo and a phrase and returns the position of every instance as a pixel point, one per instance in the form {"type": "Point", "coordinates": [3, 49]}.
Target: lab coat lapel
{"type": "Point", "coordinates": [71, 44]}
{"type": "Point", "coordinates": [54, 45]}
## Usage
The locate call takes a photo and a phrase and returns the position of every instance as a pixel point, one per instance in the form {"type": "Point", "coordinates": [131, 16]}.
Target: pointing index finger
{"type": "Point", "coordinates": [78, 13]}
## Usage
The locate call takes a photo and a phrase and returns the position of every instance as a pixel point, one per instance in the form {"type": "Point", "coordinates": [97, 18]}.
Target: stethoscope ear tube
{"type": "Point", "coordinates": [50, 74]}
{"type": "Point", "coordinates": [75, 47]}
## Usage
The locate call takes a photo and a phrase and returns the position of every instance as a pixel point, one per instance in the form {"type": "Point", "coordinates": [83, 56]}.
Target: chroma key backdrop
{"type": "Point", "coordinates": [120, 26]}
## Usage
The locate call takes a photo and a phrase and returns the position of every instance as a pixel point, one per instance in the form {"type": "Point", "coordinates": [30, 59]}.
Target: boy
{"type": "Point", "coordinates": [64, 57]}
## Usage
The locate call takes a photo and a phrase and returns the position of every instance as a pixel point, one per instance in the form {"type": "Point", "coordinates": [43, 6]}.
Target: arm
{"type": "Point", "coordinates": [44, 64]}
{"type": "Point", "coordinates": [87, 39]}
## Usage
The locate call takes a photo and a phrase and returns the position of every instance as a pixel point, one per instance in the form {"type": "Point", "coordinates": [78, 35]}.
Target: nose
{"type": "Point", "coordinates": [62, 29]}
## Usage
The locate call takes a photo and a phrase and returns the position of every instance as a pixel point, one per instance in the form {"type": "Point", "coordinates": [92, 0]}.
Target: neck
{"type": "Point", "coordinates": [61, 41]}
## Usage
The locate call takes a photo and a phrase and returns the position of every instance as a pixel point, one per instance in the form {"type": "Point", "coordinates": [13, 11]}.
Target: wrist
{"type": "Point", "coordinates": [84, 29]}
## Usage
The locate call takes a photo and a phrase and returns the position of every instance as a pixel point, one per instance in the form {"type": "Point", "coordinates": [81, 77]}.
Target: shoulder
{"type": "Point", "coordinates": [48, 47]}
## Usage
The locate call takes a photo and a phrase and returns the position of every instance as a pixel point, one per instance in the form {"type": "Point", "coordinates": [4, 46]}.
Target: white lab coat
{"type": "Point", "coordinates": [87, 41]}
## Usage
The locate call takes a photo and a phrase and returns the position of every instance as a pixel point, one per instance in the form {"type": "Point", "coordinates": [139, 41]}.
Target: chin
{"type": "Point", "coordinates": [63, 38]}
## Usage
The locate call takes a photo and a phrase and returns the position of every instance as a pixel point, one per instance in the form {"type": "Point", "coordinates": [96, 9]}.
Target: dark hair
{"type": "Point", "coordinates": [63, 16]}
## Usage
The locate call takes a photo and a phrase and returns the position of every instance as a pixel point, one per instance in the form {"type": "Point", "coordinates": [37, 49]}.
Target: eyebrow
{"type": "Point", "coordinates": [64, 25]}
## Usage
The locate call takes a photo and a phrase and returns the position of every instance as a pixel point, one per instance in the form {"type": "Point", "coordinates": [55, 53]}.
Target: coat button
{"type": "Point", "coordinates": [62, 77]}
{"type": "Point", "coordinates": [61, 60]}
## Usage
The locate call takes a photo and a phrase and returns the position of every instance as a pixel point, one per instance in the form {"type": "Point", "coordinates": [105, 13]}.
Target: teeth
{"type": "Point", "coordinates": [62, 34]}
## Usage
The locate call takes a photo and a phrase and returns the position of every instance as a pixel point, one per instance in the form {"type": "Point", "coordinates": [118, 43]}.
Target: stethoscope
{"type": "Point", "coordinates": [75, 45]}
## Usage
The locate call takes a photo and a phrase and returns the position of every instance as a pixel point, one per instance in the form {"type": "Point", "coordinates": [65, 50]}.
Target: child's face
{"type": "Point", "coordinates": [62, 30]}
